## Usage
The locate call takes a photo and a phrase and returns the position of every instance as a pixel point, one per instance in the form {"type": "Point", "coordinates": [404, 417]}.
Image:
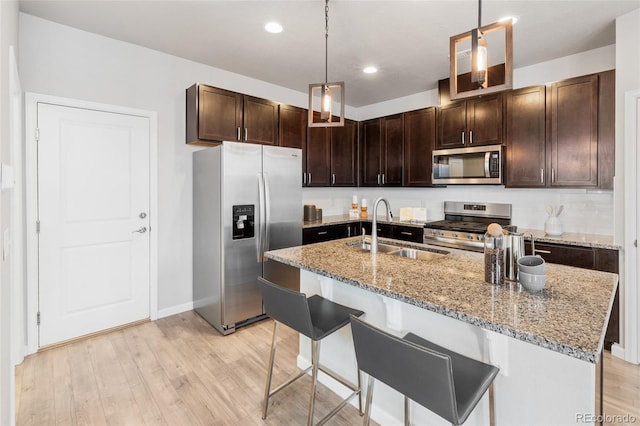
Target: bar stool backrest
{"type": "Point", "coordinates": [423, 375]}
{"type": "Point", "coordinates": [287, 306]}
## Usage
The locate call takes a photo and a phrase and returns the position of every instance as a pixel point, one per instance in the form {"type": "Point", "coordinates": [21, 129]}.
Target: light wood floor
{"type": "Point", "coordinates": [180, 371]}
{"type": "Point", "coordinates": [174, 371]}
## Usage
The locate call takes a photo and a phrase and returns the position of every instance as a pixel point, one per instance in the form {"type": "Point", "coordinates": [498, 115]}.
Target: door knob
{"type": "Point", "coordinates": [142, 230]}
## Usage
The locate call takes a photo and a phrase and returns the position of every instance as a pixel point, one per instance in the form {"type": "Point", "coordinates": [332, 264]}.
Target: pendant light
{"type": "Point", "coordinates": [330, 94]}
{"type": "Point", "coordinates": [483, 78]}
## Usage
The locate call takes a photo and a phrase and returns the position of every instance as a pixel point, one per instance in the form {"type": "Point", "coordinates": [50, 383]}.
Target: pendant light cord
{"type": "Point", "coordinates": [326, 41]}
{"type": "Point", "coordinates": [479, 14]}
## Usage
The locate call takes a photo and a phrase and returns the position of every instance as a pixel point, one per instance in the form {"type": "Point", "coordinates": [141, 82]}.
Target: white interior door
{"type": "Point", "coordinates": [93, 209]}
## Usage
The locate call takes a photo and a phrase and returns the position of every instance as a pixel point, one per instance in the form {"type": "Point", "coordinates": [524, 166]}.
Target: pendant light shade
{"type": "Point", "coordinates": [484, 78]}
{"type": "Point", "coordinates": [325, 97]}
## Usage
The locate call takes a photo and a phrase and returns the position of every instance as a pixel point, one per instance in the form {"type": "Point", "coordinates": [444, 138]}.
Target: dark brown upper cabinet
{"type": "Point", "coordinates": [476, 121]}
{"type": "Point", "coordinates": [344, 154]}
{"type": "Point", "coordinates": [331, 156]}
{"type": "Point", "coordinates": [214, 115]}
{"type": "Point", "coordinates": [381, 143]}
{"type": "Point", "coordinates": [525, 137]}
{"type": "Point", "coordinates": [419, 142]}
{"type": "Point", "coordinates": [562, 135]}
{"type": "Point", "coordinates": [573, 147]}
{"type": "Point", "coordinates": [293, 130]}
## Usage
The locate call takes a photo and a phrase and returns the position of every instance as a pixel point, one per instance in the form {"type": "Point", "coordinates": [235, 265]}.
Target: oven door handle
{"type": "Point", "coordinates": [487, 156]}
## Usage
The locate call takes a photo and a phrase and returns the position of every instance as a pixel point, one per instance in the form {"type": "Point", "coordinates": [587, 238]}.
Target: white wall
{"type": "Point", "coordinates": [8, 38]}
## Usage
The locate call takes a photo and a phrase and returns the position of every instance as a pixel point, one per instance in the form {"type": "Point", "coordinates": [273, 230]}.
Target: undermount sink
{"type": "Point", "coordinates": [416, 254]}
{"type": "Point", "coordinates": [409, 253]}
{"type": "Point", "coordinates": [382, 248]}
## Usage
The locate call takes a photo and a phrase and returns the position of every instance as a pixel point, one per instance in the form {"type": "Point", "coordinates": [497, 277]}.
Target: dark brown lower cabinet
{"type": "Point", "coordinates": [594, 258]}
{"type": "Point", "coordinates": [352, 229]}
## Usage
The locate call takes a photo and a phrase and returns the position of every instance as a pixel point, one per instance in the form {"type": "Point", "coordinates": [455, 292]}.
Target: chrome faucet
{"type": "Point", "coordinates": [374, 224]}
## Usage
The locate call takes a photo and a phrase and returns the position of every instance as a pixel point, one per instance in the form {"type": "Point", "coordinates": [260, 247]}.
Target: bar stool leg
{"type": "Point", "coordinates": [407, 418]}
{"type": "Point", "coordinates": [367, 407]}
{"type": "Point", "coordinates": [360, 412]}
{"type": "Point", "coordinates": [492, 414]}
{"type": "Point", "coordinates": [272, 356]}
{"type": "Point", "coordinates": [315, 350]}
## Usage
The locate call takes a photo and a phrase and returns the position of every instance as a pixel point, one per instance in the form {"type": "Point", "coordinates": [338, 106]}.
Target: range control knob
{"type": "Point", "coordinates": [454, 234]}
{"type": "Point", "coordinates": [470, 236]}
{"type": "Point", "coordinates": [480, 237]}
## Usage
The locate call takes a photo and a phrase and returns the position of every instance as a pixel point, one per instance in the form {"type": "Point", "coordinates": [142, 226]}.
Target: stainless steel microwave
{"type": "Point", "coordinates": [479, 165]}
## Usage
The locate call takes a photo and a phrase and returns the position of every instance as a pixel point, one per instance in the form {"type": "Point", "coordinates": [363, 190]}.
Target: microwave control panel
{"type": "Point", "coordinates": [494, 164]}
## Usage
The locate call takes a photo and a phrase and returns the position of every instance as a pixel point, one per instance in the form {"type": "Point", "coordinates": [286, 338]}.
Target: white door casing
{"type": "Point", "coordinates": [92, 271]}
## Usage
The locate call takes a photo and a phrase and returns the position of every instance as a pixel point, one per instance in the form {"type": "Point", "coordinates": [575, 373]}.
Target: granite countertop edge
{"type": "Point", "coordinates": [563, 348]}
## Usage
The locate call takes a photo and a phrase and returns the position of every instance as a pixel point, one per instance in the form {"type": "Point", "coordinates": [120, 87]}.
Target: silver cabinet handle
{"type": "Point", "coordinates": [406, 233]}
{"type": "Point", "coordinates": [541, 175]}
{"type": "Point", "coordinates": [542, 251]}
{"type": "Point", "coordinates": [383, 179]}
{"type": "Point", "coordinates": [304, 178]}
{"type": "Point", "coordinates": [553, 175]}
{"type": "Point", "coordinates": [378, 178]}
{"type": "Point", "coordinates": [470, 137]}
{"type": "Point", "coordinates": [142, 230]}
{"type": "Point", "coordinates": [322, 232]}
{"type": "Point", "coordinates": [463, 137]}
{"type": "Point", "coordinates": [246, 134]}
{"type": "Point", "coordinates": [333, 179]}
{"type": "Point", "coordinates": [309, 178]}
{"type": "Point", "coordinates": [238, 133]}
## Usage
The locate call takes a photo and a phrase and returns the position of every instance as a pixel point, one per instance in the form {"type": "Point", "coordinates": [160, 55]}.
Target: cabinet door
{"type": "Point", "coordinates": [525, 137]}
{"type": "Point", "coordinates": [318, 156]}
{"type": "Point", "coordinates": [392, 150]}
{"type": "Point", "coordinates": [384, 229]}
{"type": "Point", "coordinates": [293, 130]}
{"type": "Point", "coordinates": [219, 114]}
{"type": "Point", "coordinates": [574, 132]}
{"type": "Point", "coordinates": [419, 141]}
{"type": "Point", "coordinates": [260, 121]}
{"type": "Point", "coordinates": [484, 120]}
{"type": "Point", "coordinates": [370, 147]}
{"type": "Point", "coordinates": [344, 155]}
{"type": "Point", "coordinates": [452, 121]}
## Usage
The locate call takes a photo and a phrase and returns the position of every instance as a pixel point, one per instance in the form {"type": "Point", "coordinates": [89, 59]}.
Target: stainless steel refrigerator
{"type": "Point", "coordinates": [247, 199]}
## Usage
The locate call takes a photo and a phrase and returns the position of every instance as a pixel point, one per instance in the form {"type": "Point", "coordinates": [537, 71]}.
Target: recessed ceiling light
{"type": "Point", "coordinates": [273, 27]}
{"type": "Point", "coordinates": [513, 19]}
{"type": "Point", "coordinates": [370, 70]}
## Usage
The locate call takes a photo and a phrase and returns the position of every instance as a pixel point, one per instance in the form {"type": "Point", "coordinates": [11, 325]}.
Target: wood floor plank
{"type": "Point", "coordinates": [63, 391]}
{"type": "Point", "coordinates": [147, 405]}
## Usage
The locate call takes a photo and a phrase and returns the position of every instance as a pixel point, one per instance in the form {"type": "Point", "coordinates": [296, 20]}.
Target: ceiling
{"type": "Point", "coordinates": [407, 40]}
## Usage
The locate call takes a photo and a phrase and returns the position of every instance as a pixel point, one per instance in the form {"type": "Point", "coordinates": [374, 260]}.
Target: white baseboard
{"type": "Point", "coordinates": [377, 415]}
{"type": "Point", "coordinates": [173, 310]}
{"type": "Point", "coordinates": [617, 351]}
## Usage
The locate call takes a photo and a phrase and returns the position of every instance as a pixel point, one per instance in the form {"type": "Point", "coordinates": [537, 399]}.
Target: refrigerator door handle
{"type": "Point", "coordinates": [261, 216]}
{"type": "Point", "coordinates": [267, 212]}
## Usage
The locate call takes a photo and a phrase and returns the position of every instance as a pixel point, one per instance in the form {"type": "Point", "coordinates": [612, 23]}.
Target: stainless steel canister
{"type": "Point", "coordinates": [513, 250]}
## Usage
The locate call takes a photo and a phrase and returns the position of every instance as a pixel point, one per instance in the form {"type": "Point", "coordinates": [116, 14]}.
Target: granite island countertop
{"type": "Point", "coordinates": [569, 315]}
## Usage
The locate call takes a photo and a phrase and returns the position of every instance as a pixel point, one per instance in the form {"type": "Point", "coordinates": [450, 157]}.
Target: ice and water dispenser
{"type": "Point", "coordinates": [243, 221]}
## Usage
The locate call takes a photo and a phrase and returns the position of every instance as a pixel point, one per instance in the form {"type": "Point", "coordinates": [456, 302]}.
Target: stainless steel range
{"type": "Point", "coordinates": [464, 224]}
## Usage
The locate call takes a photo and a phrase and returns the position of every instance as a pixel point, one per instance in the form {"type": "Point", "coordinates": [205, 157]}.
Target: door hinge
{"type": "Point", "coordinates": [37, 226]}
{"type": "Point", "coordinates": [37, 134]}
{"type": "Point", "coordinates": [38, 318]}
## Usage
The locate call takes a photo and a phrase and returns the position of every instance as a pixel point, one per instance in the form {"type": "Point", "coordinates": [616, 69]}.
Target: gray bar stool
{"type": "Point", "coordinates": [316, 318]}
{"type": "Point", "coordinates": [443, 381]}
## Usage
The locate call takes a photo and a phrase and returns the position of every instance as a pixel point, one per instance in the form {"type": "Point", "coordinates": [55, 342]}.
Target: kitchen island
{"type": "Point", "coordinates": [547, 344]}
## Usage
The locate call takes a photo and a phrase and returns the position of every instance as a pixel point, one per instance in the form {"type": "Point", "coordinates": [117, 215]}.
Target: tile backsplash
{"type": "Point", "coordinates": [589, 212]}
